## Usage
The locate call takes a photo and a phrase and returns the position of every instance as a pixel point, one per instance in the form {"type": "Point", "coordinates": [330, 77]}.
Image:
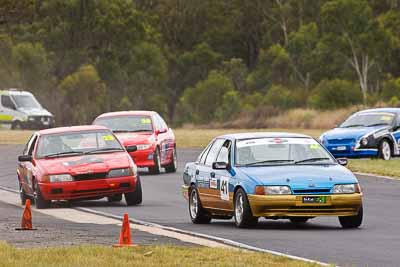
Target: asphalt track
{"type": "Point", "coordinates": [376, 243]}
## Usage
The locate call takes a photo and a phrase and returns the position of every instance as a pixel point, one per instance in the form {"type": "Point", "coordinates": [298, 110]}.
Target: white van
{"type": "Point", "coordinates": [21, 110]}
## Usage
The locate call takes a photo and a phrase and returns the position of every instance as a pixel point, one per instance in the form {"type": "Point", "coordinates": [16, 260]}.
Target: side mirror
{"type": "Point", "coordinates": [342, 161]}
{"type": "Point", "coordinates": [24, 158]}
{"type": "Point", "coordinates": [221, 166]}
{"type": "Point", "coordinates": [131, 148]}
{"type": "Point", "coordinates": [161, 131]}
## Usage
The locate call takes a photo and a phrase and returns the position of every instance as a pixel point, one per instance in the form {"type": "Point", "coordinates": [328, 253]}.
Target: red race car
{"type": "Point", "coordinates": [155, 141]}
{"type": "Point", "coordinates": [75, 163]}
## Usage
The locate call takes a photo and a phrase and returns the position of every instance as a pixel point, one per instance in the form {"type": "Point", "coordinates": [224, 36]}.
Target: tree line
{"type": "Point", "coordinates": [200, 61]}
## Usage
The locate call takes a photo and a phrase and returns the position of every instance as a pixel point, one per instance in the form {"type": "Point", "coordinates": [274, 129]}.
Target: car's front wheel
{"type": "Point", "coordinates": [352, 221]}
{"type": "Point", "coordinates": [243, 216]}
{"type": "Point", "coordinates": [197, 214]}
{"type": "Point", "coordinates": [40, 202]}
{"type": "Point", "coordinates": [23, 196]}
{"type": "Point", "coordinates": [385, 151]}
{"type": "Point", "coordinates": [156, 169]}
{"type": "Point", "coordinates": [135, 197]}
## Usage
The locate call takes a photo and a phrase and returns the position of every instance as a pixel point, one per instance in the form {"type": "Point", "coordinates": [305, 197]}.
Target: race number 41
{"type": "Point", "coordinates": [224, 188]}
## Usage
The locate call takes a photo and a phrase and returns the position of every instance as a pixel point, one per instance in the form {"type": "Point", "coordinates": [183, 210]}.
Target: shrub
{"type": "Point", "coordinates": [331, 94]}
{"type": "Point", "coordinates": [279, 96]}
{"type": "Point", "coordinates": [229, 107]}
{"type": "Point", "coordinates": [391, 88]}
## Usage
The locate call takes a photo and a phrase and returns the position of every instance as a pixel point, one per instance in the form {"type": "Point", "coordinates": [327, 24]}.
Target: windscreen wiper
{"type": "Point", "coordinates": [377, 124]}
{"type": "Point", "coordinates": [269, 161]}
{"type": "Point", "coordinates": [66, 153]}
{"type": "Point", "coordinates": [106, 149]}
{"type": "Point", "coordinates": [310, 160]}
{"type": "Point", "coordinates": [354, 125]}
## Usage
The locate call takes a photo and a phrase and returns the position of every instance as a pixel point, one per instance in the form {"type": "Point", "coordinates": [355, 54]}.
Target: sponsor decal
{"type": "Point", "coordinates": [224, 188]}
{"type": "Point", "coordinates": [83, 160]}
{"type": "Point", "coordinates": [213, 183]}
{"type": "Point", "coordinates": [145, 121]}
{"type": "Point", "coordinates": [108, 137]}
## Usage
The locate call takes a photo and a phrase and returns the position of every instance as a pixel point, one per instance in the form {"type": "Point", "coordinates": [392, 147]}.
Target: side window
{"type": "Point", "coordinates": [32, 146]}
{"type": "Point", "coordinates": [224, 153]}
{"type": "Point", "coordinates": [7, 102]}
{"type": "Point", "coordinates": [157, 124]}
{"type": "Point", "coordinates": [26, 149]}
{"type": "Point", "coordinates": [162, 122]}
{"type": "Point", "coordinates": [203, 155]}
{"type": "Point", "coordinates": [212, 155]}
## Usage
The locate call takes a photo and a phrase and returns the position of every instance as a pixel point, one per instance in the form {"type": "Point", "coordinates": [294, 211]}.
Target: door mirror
{"type": "Point", "coordinates": [131, 149]}
{"type": "Point", "coordinates": [342, 161]}
{"type": "Point", "coordinates": [161, 131]}
{"type": "Point", "coordinates": [221, 166]}
{"type": "Point", "coordinates": [25, 158]}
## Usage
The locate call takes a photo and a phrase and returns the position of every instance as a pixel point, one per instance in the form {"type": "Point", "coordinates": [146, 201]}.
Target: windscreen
{"type": "Point", "coordinates": [26, 101]}
{"type": "Point", "coordinates": [274, 151]}
{"type": "Point", "coordinates": [368, 120]}
{"type": "Point", "coordinates": [77, 143]}
{"type": "Point", "coordinates": [126, 123]}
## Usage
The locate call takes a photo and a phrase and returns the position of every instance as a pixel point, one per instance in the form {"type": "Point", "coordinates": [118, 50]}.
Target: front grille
{"type": "Point", "coordinates": [90, 176]}
{"type": "Point", "coordinates": [311, 191]}
{"type": "Point", "coordinates": [341, 141]}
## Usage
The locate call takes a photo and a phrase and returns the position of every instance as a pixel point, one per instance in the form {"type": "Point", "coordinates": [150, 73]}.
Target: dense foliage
{"type": "Point", "coordinates": [199, 61]}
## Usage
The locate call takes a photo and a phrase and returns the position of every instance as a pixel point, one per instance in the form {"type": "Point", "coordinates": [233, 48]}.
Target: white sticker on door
{"type": "Point", "coordinates": [224, 188]}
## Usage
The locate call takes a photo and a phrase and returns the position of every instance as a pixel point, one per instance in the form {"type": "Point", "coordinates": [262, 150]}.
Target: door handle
{"type": "Point", "coordinates": [212, 175]}
{"type": "Point", "coordinates": [197, 172]}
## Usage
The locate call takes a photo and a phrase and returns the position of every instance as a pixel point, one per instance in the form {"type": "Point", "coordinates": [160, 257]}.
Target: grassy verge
{"type": "Point", "coordinates": [142, 256]}
{"type": "Point", "coordinates": [8, 137]}
{"type": "Point", "coordinates": [375, 166]}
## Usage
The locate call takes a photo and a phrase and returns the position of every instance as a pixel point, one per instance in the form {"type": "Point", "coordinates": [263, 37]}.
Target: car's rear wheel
{"type": "Point", "coordinates": [114, 198]}
{"type": "Point", "coordinates": [174, 163]}
{"type": "Point", "coordinates": [135, 197]}
{"type": "Point", "coordinates": [198, 215]}
{"type": "Point", "coordinates": [243, 216]}
{"type": "Point", "coordinates": [16, 125]}
{"type": "Point", "coordinates": [352, 221]}
{"type": "Point", "coordinates": [385, 151]}
{"type": "Point", "coordinates": [299, 220]}
{"type": "Point", "coordinates": [40, 202]}
{"type": "Point", "coordinates": [156, 169]}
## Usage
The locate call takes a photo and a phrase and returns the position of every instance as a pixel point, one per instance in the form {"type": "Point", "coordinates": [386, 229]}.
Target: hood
{"type": "Point", "coordinates": [35, 111]}
{"type": "Point", "coordinates": [300, 176]}
{"type": "Point", "coordinates": [85, 164]}
{"type": "Point", "coordinates": [128, 139]}
{"type": "Point", "coordinates": [352, 132]}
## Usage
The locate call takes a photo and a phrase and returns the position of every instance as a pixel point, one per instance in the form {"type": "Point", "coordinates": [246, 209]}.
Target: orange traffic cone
{"type": "Point", "coordinates": [125, 235]}
{"type": "Point", "coordinates": [26, 222]}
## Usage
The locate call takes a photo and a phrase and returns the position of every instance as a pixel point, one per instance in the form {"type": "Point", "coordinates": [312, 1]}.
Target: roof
{"type": "Point", "coordinates": [72, 129]}
{"type": "Point", "coordinates": [13, 91]}
{"type": "Point", "coordinates": [127, 113]}
{"type": "Point", "coordinates": [391, 110]}
{"type": "Point", "coordinates": [263, 135]}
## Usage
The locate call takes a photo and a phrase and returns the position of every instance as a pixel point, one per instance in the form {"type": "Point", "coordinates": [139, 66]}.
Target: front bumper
{"type": "Point", "coordinates": [292, 205]}
{"type": "Point", "coordinates": [87, 189]}
{"type": "Point", "coordinates": [143, 158]}
{"type": "Point", "coordinates": [350, 151]}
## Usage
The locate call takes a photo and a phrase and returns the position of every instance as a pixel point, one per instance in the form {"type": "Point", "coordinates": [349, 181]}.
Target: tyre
{"type": "Point", "coordinates": [385, 151]}
{"type": "Point", "coordinates": [135, 197]}
{"type": "Point", "coordinates": [198, 215]}
{"type": "Point", "coordinates": [243, 216]}
{"type": "Point", "coordinates": [299, 220]}
{"type": "Point", "coordinates": [114, 198]}
{"type": "Point", "coordinates": [16, 125]}
{"type": "Point", "coordinates": [22, 195]}
{"type": "Point", "coordinates": [156, 169]}
{"type": "Point", "coordinates": [40, 202]}
{"type": "Point", "coordinates": [172, 166]}
{"type": "Point", "coordinates": [352, 221]}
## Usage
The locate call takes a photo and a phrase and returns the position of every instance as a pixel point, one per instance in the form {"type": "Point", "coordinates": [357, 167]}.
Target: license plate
{"type": "Point", "coordinates": [311, 199]}
{"type": "Point", "coordinates": [341, 148]}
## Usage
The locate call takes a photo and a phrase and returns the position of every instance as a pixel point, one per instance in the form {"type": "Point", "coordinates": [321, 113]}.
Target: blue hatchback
{"type": "Point", "coordinates": [367, 133]}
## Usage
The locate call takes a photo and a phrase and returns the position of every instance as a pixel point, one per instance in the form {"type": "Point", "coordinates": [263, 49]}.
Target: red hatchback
{"type": "Point", "coordinates": [75, 163]}
{"type": "Point", "coordinates": [155, 141]}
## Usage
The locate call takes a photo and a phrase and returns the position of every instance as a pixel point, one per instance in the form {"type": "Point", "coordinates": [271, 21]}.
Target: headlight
{"type": "Point", "coordinates": [364, 141]}
{"type": "Point", "coordinates": [277, 190]}
{"type": "Point", "coordinates": [346, 189]}
{"type": "Point", "coordinates": [121, 172]}
{"type": "Point", "coordinates": [60, 178]}
{"type": "Point", "coordinates": [143, 146]}
{"type": "Point", "coordinates": [31, 118]}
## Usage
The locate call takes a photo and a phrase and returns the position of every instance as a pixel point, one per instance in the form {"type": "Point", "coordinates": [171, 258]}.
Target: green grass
{"type": "Point", "coordinates": [376, 166]}
{"type": "Point", "coordinates": [144, 256]}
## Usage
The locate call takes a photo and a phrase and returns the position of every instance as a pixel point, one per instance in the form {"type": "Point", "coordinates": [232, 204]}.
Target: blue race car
{"type": "Point", "coordinates": [271, 175]}
{"type": "Point", "coordinates": [367, 133]}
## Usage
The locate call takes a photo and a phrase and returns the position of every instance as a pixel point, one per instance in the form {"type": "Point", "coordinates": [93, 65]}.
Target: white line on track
{"type": "Point", "coordinates": [86, 215]}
